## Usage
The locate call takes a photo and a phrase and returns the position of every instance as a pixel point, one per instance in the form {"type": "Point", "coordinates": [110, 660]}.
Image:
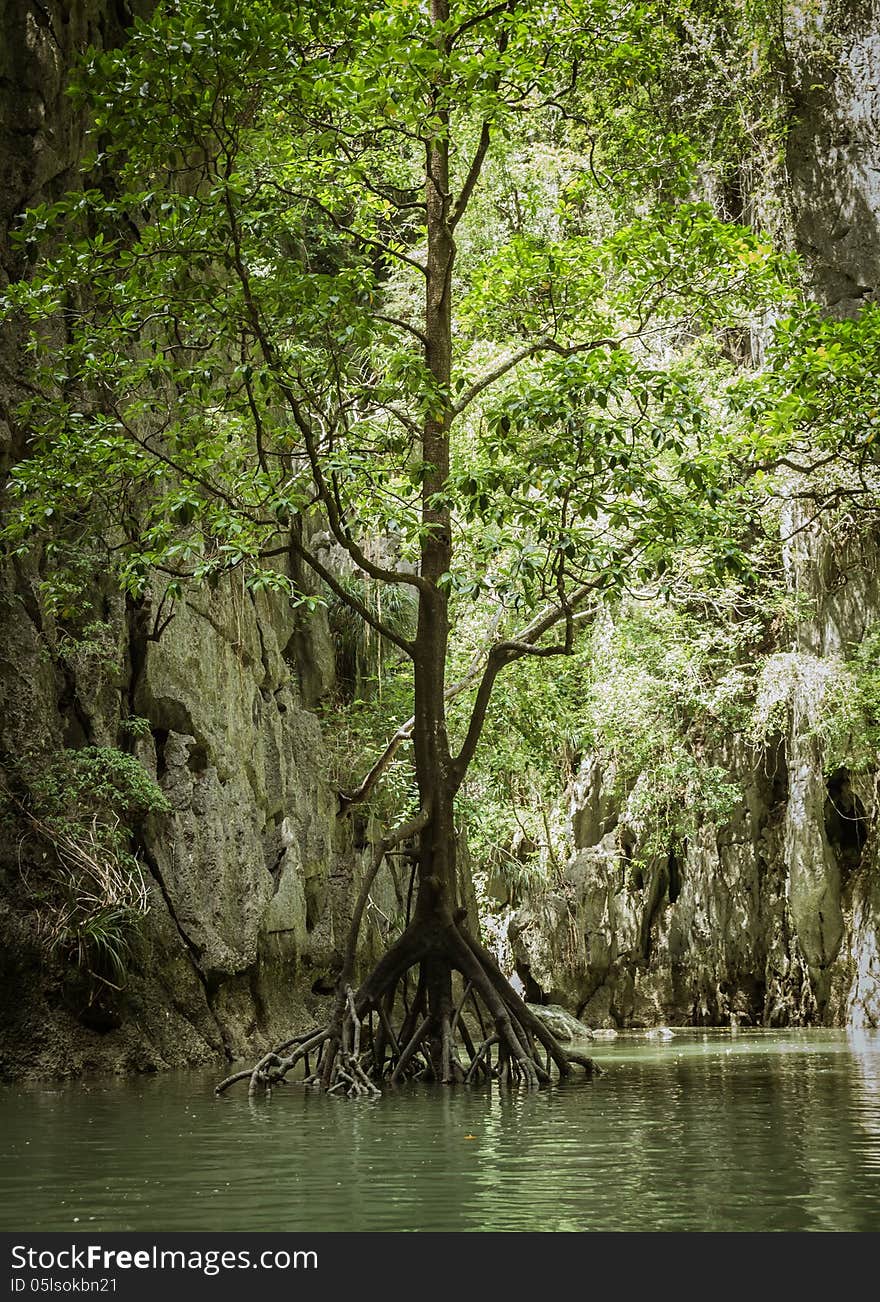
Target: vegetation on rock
{"type": "Point", "coordinates": [78, 811]}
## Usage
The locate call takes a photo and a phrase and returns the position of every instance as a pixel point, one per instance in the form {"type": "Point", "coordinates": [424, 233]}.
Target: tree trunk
{"type": "Point", "coordinates": [489, 1017]}
{"type": "Point", "coordinates": [437, 874]}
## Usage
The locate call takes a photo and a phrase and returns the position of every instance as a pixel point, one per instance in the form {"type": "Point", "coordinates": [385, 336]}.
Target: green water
{"type": "Point", "coordinates": [707, 1131]}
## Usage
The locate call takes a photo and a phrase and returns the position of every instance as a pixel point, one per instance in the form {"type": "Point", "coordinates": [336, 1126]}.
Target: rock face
{"type": "Point", "coordinates": [717, 942]}
{"type": "Point", "coordinates": [768, 920]}
{"type": "Point", "coordinates": [251, 876]}
{"type": "Point", "coordinates": [559, 1022]}
{"type": "Point", "coordinates": [832, 151]}
{"type": "Point", "coordinates": [772, 919]}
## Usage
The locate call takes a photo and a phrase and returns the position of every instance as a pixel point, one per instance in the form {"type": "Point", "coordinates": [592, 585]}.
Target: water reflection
{"type": "Point", "coordinates": [706, 1131]}
{"type": "Point", "coordinates": [863, 1046]}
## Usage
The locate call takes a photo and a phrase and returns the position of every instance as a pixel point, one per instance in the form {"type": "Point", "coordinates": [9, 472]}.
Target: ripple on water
{"type": "Point", "coordinates": [706, 1131]}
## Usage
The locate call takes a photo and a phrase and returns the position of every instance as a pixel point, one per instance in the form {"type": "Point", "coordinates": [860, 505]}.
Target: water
{"type": "Point", "coordinates": [707, 1131]}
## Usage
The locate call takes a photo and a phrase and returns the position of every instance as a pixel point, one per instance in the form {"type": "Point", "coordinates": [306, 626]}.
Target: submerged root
{"type": "Point", "coordinates": [488, 1034]}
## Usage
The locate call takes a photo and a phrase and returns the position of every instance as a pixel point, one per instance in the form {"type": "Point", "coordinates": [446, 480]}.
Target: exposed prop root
{"type": "Point", "coordinates": [486, 1033]}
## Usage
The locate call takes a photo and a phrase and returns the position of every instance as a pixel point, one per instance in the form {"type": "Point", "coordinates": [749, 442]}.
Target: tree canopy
{"type": "Point", "coordinates": [241, 298]}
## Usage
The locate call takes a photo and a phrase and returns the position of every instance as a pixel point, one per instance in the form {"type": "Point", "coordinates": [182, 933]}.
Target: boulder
{"type": "Point", "coordinates": [560, 1022]}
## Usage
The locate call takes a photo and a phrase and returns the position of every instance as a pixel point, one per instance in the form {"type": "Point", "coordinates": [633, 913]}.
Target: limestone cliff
{"type": "Point", "coordinates": [767, 920]}
{"type": "Point", "coordinates": [833, 55]}
{"type": "Point", "coordinates": [770, 919]}
{"type": "Point", "coordinates": [251, 874]}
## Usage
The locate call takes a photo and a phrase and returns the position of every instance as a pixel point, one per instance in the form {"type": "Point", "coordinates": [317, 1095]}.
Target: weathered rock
{"type": "Point", "coordinates": [814, 874]}
{"type": "Point", "coordinates": [251, 875]}
{"type": "Point", "coordinates": [624, 954]}
{"type": "Point", "coordinates": [768, 924]}
{"type": "Point", "coordinates": [560, 1022]}
{"type": "Point", "coordinates": [765, 926]}
{"type": "Point", "coordinates": [833, 146]}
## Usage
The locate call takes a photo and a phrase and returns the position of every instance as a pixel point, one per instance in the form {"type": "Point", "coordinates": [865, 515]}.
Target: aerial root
{"type": "Point", "coordinates": [488, 1034]}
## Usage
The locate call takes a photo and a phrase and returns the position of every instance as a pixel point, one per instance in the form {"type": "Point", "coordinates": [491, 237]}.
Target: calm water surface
{"type": "Point", "coordinates": [707, 1131]}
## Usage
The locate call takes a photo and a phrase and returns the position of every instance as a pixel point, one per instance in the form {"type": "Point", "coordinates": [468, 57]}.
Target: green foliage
{"type": "Point", "coordinates": [135, 725]}
{"type": "Point", "coordinates": [657, 693]}
{"type": "Point", "coordinates": [95, 644]}
{"type": "Point", "coordinates": [95, 781]}
{"type": "Point", "coordinates": [66, 590]}
{"type": "Point", "coordinates": [356, 729]}
{"type": "Point", "coordinates": [680, 259]}
{"type": "Point", "coordinates": [522, 873]}
{"type": "Point", "coordinates": [672, 689]}
{"type": "Point", "coordinates": [98, 938]}
{"type": "Point", "coordinates": [247, 281]}
{"type": "Point", "coordinates": [853, 726]}
{"type": "Point", "coordinates": [838, 702]}
{"type": "Point", "coordinates": [530, 744]}
{"type": "Point", "coordinates": [361, 651]}
{"type": "Point", "coordinates": [816, 400]}
{"type": "Point", "coordinates": [228, 343]}
{"type": "Point", "coordinates": [89, 889]}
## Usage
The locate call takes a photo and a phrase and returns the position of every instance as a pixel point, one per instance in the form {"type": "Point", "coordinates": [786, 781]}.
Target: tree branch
{"type": "Point", "coordinates": [471, 179]}
{"type": "Point", "coordinates": [505, 653]}
{"type": "Point", "coordinates": [367, 241]}
{"type": "Point", "coordinates": [349, 599]}
{"type": "Point", "coordinates": [381, 766]}
{"type": "Point", "coordinates": [473, 174]}
{"type": "Point", "coordinates": [403, 734]}
{"type": "Point", "coordinates": [400, 833]}
{"type": "Point", "coordinates": [403, 325]}
{"type": "Point", "coordinates": [476, 19]}
{"type": "Point", "coordinates": [501, 654]}
{"type": "Point", "coordinates": [544, 345]}
{"type": "Point", "coordinates": [334, 518]}
{"type": "Point", "coordinates": [304, 426]}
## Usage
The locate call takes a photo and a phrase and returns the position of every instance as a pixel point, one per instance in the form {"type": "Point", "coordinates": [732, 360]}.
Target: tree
{"type": "Point", "coordinates": [285, 301]}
